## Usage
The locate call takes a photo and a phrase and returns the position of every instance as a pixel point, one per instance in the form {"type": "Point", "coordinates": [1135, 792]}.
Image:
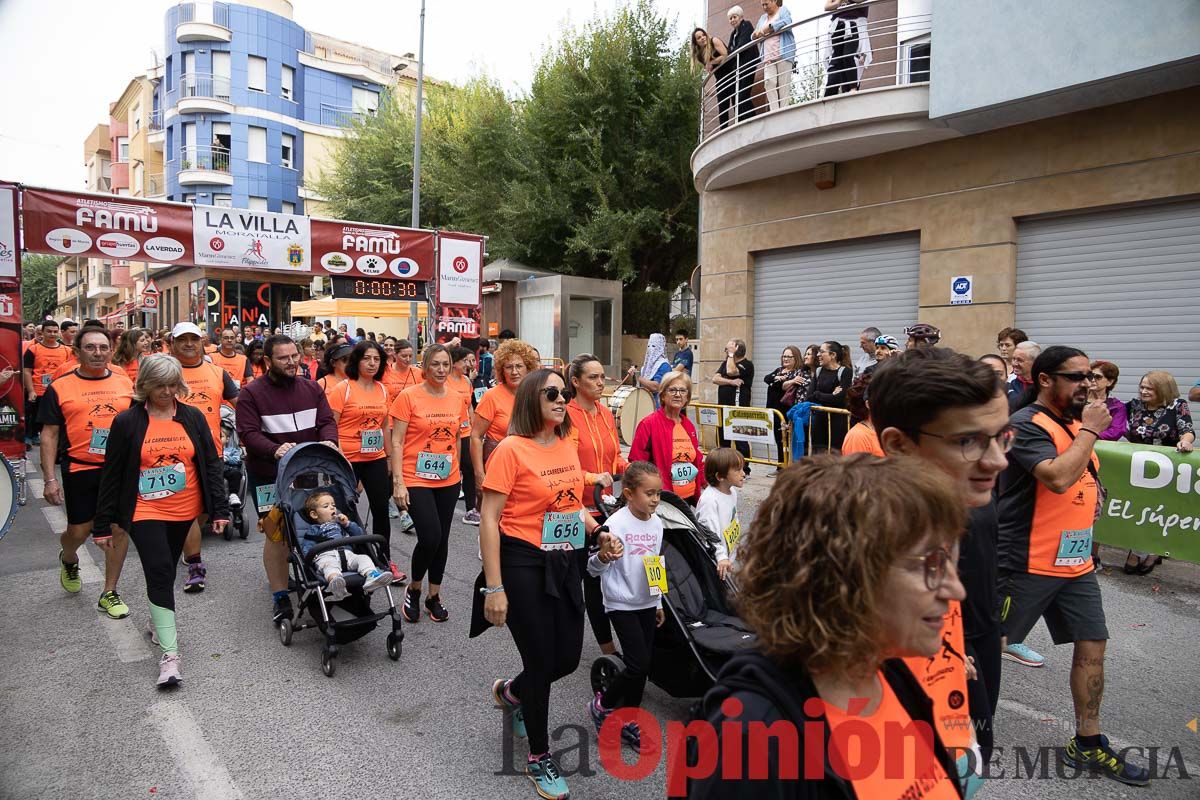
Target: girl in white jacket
{"type": "Point", "coordinates": [632, 584]}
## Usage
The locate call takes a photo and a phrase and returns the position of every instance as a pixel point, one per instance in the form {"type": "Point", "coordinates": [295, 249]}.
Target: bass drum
{"type": "Point", "coordinates": [629, 406]}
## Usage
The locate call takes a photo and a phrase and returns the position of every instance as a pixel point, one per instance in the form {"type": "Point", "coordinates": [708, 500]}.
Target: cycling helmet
{"type": "Point", "coordinates": [923, 333]}
{"type": "Point", "coordinates": [887, 341]}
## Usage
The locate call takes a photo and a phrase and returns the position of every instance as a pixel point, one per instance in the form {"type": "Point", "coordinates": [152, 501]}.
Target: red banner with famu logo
{"type": "Point", "coordinates": [95, 226]}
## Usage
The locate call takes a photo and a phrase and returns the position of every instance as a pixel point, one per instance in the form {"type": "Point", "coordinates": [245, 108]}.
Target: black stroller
{"type": "Point", "coordinates": [701, 631]}
{"type": "Point", "coordinates": [236, 479]}
{"type": "Point", "coordinates": [303, 470]}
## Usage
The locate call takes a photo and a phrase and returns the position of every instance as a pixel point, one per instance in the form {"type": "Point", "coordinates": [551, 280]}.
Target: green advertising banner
{"type": "Point", "coordinates": [1153, 502]}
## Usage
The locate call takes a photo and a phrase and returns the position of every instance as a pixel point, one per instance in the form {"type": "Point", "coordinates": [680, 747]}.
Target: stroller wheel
{"type": "Point", "coordinates": [285, 632]}
{"type": "Point", "coordinates": [605, 670]}
{"type": "Point", "coordinates": [394, 647]}
{"type": "Point", "coordinates": [327, 665]}
{"type": "Point", "coordinates": [228, 532]}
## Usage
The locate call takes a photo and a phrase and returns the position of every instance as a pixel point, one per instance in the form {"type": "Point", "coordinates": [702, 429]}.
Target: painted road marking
{"type": "Point", "coordinates": [193, 755]}
{"type": "Point", "coordinates": [57, 518]}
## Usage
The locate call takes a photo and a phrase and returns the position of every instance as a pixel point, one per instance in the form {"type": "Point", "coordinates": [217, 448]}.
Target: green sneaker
{"type": "Point", "coordinates": [68, 575]}
{"type": "Point", "coordinates": [1105, 760]}
{"type": "Point", "coordinates": [547, 779]}
{"type": "Point", "coordinates": [112, 604]}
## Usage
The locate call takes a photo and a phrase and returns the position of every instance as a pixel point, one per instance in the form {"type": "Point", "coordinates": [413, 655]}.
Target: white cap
{"type": "Point", "coordinates": [184, 328]}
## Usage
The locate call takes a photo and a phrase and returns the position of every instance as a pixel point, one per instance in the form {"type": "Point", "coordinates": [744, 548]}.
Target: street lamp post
{"type": "Point", "coordinates": [416, 187]}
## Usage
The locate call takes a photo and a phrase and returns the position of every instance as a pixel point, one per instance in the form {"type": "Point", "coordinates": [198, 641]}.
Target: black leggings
{"type": "Point", "coordinates": [377, 484]}
{"type": "Point", "coordinates": [635, 630]}
{"type": "Point", "coordinates": [159, 545]}
{"type": "Point", "coordinates": [593, 600]}
{"type": "Point", "coordinates": [548, 632]}
{"type": "Point", "coordinates": [432, 511]}
{"type": "Point", "coordinates": [468, 473]}
{"type": "Point", "coordinates": [984, 693]}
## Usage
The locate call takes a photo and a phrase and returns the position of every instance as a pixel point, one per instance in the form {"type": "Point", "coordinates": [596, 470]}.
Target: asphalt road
{"type": "Point", "coordinates": [80, 717]}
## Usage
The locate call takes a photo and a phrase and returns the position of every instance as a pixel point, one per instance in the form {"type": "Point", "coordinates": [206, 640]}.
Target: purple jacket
{"type": "Point", "coordinates": [1120, 420]}
{"type": "Point", "coordinates": [271, 414]}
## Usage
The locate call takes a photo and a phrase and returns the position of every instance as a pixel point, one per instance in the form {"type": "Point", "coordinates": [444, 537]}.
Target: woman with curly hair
{"type": "Point", "coordinates": [132, 347]}
{"type": "Point", "coordinates": [514, 360]}
{"type": "Point", "coordinates": [849, 568]}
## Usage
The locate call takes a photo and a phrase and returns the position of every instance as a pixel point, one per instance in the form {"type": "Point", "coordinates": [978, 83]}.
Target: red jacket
{"type": "Point", "coordinates": [652, 442]}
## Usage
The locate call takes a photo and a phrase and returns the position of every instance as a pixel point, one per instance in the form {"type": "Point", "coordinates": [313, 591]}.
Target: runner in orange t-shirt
{"type": "Point", "coordinates": [460, 381]}
{"type": "Point", "coordinates": [132, 346]}
{"type": "Point", "coordinates": [533, 526]}
{"type": "Point", "coordinates": [425, 474]}
{"type": "Point", "coordinates": [514, 360]}
{"type": "Point", "coordinates": [336, 359]}
{"type": "Point", "coordinates": [400, 373]}
{"type": "Point", "coordinates": [360, 406]}
{"type": "Point", "coordinates": [39, 363]}
{"type": "Point", "coordinates": [229, 359]}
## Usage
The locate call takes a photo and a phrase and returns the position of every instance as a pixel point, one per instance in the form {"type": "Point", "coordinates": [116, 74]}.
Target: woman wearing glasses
{"type": "Point", "coordinates": [848, 569]}
{"type": "Point", "coordinates": [533, 522]}
{"type": "Point", "coordinates": [667, 439]}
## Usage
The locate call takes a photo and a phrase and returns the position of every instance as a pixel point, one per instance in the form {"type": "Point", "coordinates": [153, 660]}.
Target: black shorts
{"type": "Point", "coordinates": [81, 490]}
{"type": "Point", "coordinates": [1072, 607]}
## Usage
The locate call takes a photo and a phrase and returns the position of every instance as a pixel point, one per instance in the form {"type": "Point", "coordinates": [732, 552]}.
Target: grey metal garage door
{"type": "Point", "coordinates": [806, 295]}
{"type": "Point", "coordinates": [1120, 285]}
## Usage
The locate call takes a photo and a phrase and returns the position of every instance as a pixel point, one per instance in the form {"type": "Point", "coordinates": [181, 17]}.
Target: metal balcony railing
{"type": "Point", "coordinates": [213, 159]}
{"type": "Point", "coordinates": [199, 12]}
{"type": "Point", "coordinates": [339, 116]}
{"type": "Point", "coordinates": [102, 277]}
{"type": "Point", "coordinates": [201, 84]}
{"type": "Point", "coordinates": [834, 54]}
{"type": "Point", "coordinates": [156, 120]}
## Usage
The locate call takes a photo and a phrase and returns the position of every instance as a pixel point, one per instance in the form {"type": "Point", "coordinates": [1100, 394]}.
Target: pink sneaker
{"type": "Point", "coordinates": [168, 671]}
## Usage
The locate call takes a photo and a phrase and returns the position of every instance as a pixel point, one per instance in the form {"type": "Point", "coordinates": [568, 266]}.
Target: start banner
{"type": "Point", "coordinates": [1153, 499]}
{"type": "Point", "coordinates": [360, 250]}
{"type": "Point", "coordinates": [240, 237]}
{"type": "Point", "coordinates": [94, 226]}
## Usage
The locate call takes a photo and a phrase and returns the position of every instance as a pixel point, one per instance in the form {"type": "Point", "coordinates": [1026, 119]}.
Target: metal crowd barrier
{"type": "Point", "coordinates": [829, 414]}
{"type": "Point", "coordinates": [710, 418]}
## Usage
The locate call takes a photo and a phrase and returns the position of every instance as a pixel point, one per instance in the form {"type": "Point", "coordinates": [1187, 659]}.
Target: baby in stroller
{"type": "Point", "coordinates": [327, 523]}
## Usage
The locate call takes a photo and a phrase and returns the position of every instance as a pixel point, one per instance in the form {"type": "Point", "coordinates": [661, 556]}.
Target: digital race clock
{"type": "Point", "coordinates": [345, 286]}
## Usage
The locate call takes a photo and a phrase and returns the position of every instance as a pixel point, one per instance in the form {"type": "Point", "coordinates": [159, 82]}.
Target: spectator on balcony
{"type": "Point", "coordinates": [778, 50]}
{"type": "Point", "coordinates": [746, 60]}
{"type": "Point", "coordinates": [712, 56]}
{"type": "Point", "coordinates": [850, 54]}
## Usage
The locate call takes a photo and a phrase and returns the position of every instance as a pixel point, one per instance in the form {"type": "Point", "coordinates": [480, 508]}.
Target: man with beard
{"type": "Point", "coordinates": [274, 414]}
{"type": "Point", "coordinates": [1048, 500]}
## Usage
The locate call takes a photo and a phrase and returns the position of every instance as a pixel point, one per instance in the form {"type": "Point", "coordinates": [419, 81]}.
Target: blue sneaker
{"type": "Point", "coordinates": [598, 712]}
{"type": "Point", "coordinates": [504, 698]}
{"type": "Point", "coordinates": [631, 735]}
{"type": "Point", "coordinates": [1105, 760]}
{"type": "Point", "coordinates": [1024, 655]}
{"type": "Point", "coordinates": [547, 779]}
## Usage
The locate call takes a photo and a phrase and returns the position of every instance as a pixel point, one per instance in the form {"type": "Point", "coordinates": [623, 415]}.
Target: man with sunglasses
{"type": "Point", "coordinates": [951, 411]}
{"type": "Point", "coordinates": [1049, 499]}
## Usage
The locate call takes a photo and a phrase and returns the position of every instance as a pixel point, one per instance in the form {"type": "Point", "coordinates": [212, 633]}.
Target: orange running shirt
{"type": "Point", "coordinates": [362, 419]}
{"type": "Point", "coordinates": [944, 679]}
{"type": "Point", "coordinates": [431, 452]}
{"type": "Point", "coordinates": [460, 384]}
{"type": "Point", "coordinates": [496, 407]}
{"type": "Point", "coordinates": [545, 490]}
{"type": "Point", "coordinates": [131, 369]}
{"type": "Point", "coordinates": [168, 487]}
{"type": "Point", "coordinates": [206, 389]}
{"type": "Point", "coordinates": [683, 470]}
{"type": "Point", "coordinates": [84, 409]}
{"type": "Point", "coordinates": [397, 379]}
{"type": "Point", "coordinates": [44, 361]}
{"type": "Point", "coordinates": [65, 367]}
{"type": "Point", "coordinates": [862, 439]}
{"type": "Point", "coordinates": [236, 365]}
{"type": "Point", "coordinates": [595, 434]}
{"type": "Point", "coordinates": [912, 770]}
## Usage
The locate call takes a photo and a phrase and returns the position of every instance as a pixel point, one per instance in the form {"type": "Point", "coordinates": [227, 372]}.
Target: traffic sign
{"type": "Point", "coordinates": [150, 288]}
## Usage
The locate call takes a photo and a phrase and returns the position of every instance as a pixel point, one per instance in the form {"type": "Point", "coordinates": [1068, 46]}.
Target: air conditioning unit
{"type": "Point", "coordinates": [319, 287]}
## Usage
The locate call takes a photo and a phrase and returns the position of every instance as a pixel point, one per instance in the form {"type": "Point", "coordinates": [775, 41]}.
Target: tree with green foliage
{"type": "Point", "coordinates": [39, 285]}
{"type": "Point", "coordinates": [587, 174]}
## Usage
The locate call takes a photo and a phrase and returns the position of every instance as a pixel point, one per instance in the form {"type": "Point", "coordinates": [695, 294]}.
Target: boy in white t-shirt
{"type": "Point", "coordinates": [633, 584]}
{"type": "Point", "coordinates": [717, 508]}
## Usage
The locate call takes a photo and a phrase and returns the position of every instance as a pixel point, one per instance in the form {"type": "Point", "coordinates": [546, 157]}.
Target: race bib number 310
{"type": "Point", "coordinates": [656, 575]}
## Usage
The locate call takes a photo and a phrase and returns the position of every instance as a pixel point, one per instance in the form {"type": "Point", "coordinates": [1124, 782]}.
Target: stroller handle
{"type": "Point", "coordinates": [334, 544]}
{"type": "Point", "coordinates": [598, 495]}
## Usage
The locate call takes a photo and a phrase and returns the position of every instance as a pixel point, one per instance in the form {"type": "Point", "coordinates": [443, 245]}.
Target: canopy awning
{"type": "Point", "coordinates": [345, 307]}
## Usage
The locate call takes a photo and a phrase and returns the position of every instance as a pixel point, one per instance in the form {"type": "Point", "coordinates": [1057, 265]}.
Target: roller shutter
{"type": "Point", "coordinates": [1120, 285]}
{"type": "Point", "coordinates": [806, 295]}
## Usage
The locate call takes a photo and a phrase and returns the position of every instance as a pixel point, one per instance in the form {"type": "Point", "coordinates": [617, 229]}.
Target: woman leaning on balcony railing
{"type": "Point", "coordinates": [712, 55]}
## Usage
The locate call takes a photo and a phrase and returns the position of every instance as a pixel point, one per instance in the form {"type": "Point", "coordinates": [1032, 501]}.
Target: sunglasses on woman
{"type": "Point", "coordinates": [553, 393]}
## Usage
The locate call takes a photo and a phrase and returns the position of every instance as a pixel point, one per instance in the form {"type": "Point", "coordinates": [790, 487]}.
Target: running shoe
{"type": "Point", "coordinates": [111, 604]}
{"type": "Point", "coordinates": [195, 578]}
{"type": "Point", "coordinates": [437, 611]}
{"type": "Point", "coordinates": [631, 735]}
{"type": "Point", "coordinates": [377, 578]}
{"type": "Point", "coordinates": [397, 575]}
{"type": "Point", "coordinates": [1024, 655]}
{"type": "Point", "coordinates": [406, 523]}
{"type": "Point", "coordinates": [472, 517]}
{"type": "Point", "coordinates": [412, 606]}
{"type": "Point", "coordinates": [504, 698]}
{"type": "Point", "coordinates": [168, 671]}
{"type": "Point", "coordinates": [393, 512]}
{"type": "Point", "coordinates": [598, 713]}
{"type": "Point", "coordinates": [1104, 760]}
{"type": "Point", "coordinates": [68, 575]}
{"type": "Point", "coordinates": [282, 610]}
{"type": "Point", "coordinates": [235, 502]}
{"type": "Point", "coordinates": [546, 777]}
{"type": "Point", "coordinates": [337, 587]}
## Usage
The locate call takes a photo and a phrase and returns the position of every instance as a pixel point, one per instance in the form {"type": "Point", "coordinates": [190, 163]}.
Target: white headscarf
{"type": "Point", "coordinates": [655, 355]}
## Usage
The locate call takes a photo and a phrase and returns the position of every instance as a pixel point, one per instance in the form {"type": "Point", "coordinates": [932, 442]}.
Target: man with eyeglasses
{"type": "Point", "coordinates": [1049, 499]}
{"type": "Point", "coordinates": [275, 413]}
{"type": "Point", "coordinates": [951, 411]}
{"type": "Point", "coordinates": [76, 412]}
